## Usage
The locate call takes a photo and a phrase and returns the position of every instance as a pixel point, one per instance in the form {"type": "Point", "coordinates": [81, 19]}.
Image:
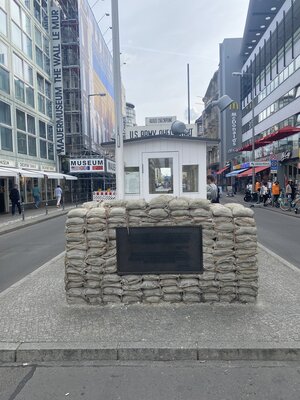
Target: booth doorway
{"type": "Point", "coordinates": [160, 174]}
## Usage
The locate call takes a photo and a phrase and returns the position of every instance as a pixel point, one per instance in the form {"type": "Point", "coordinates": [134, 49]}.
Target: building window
{"type": "Point", "coordinates": [21, 120]}
{"type": "Point", "coordinates": [5, 117]}
{"type": "Point", "coordinates": [3, 54]}
{"type": "Point", "coordinates": [4, 80]}
{"type": "Point", "coordinates": [3, 23]}
{"type": "Point", "coordinates": [42, 129]}
{"type": "Point", "coordinates": [30, 124]}
{"type": "Point", "coordinates": [39, 57]}
{"type": "Point", "coordinates": [43, 149]}
{"type": "Point", "coordinates": [19, 90]}
{"type": "Point", "coordinates": [160, 175]}
{"type": "Point", "coordinates": [16, 35]}
{"type": "Point", "coordinates": [22, 143]}
{"type": "Point", "coordinates": [50, 151]}
{"type": "Point", "coordinates": [132, 180]}
{"type": "Point", "coordinates": [32, 146]}
{"type": "Point", "coordinates": [190, 178]}
{"type": "Point", "coordinates": [41, 103]}
{"type": "Point", "coordinates": [6, 139]}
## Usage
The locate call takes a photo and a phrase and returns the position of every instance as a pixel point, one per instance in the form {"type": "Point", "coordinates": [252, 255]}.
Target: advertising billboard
{"type": "Point", "coordinates": [96, 67]}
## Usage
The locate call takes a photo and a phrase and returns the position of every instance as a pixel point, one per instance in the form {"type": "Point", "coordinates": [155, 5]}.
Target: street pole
{"type": "Point", "coordinates": [252, 132]}
{"type": "Point", "coordinates": [118, 101]}
{"type": "Point", "coordinates": [188, 88]}
{"type": "Point", "coordinates": [90, 143]}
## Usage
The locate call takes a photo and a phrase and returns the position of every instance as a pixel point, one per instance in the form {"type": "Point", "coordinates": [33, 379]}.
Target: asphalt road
{"type": "Point", "coordinates": [149, 381]}
{"type": "Point", "coordinates": [24, 250]}
{"type": "Point", "coordinates": [279, 233]}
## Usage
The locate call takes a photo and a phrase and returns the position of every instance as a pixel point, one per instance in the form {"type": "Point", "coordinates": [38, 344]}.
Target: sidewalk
{"type": "Point", "coordinates": [239, 198]}
{"type": "Point", "coordinates": [9, 223]}
{"type": "Point", "coordinates": [36, 324]}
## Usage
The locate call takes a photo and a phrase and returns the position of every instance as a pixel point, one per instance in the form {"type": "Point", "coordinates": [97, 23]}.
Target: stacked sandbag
{"type": "Point", "coordinates": [245, 236]}
{"type": "Point", "coordinates": [151, 288]}
{"type": "Point", "coordinates": [229, 253]}
{"type": "Point", "coordinates": [75, 256]}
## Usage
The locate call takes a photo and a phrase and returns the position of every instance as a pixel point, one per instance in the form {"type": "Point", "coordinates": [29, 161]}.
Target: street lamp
{"type": "Point", "coordinates": [242, 74]}
{"type": "Point", "coordinates": [118, 100]}
{"type": "Point", "coordinates": [90, 134]}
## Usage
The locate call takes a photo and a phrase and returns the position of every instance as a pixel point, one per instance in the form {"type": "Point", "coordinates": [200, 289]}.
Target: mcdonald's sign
{"type": "Point", "coordinates": [234, 106]}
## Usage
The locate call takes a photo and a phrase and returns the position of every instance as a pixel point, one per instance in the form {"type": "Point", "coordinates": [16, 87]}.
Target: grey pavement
{"type": "Point", "coordinates": [36, 323]}
{"type": "Point", "coordinates": [9, 223]}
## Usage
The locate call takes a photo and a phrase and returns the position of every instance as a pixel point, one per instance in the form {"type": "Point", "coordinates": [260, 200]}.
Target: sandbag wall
{"type": "Point", "coordinates": [229, 253]}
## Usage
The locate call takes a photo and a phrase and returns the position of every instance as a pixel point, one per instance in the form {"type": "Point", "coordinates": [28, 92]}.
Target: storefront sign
{"type": "Point", "coordinates": [159, 250]}
{"type": "Point", "coordinates": [259, 163]}
{"type": "Point", "coordinates": [28, 165]}
{"type": "Point", "coordinates": [233, 127]}
{"type": "Point", "coordinates": [110, 167]}
{"type": "Point", "coordinates": [49, 168]}
{"type": "Point", "coordinates": [85, 165]}
{"type": "Point", "coordinates": [7, 163]}
{"type": "Point", "coordinates": [285, 155]}
{"type": "Point", "coordinates": [58, 81]}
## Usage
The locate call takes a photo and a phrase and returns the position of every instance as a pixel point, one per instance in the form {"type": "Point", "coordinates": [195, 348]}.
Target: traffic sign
{"type": "Point", "coordinates": [274, 166]}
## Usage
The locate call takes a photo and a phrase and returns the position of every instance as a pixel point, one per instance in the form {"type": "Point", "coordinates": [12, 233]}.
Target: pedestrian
{"type": "Point", "coordinates": [288, 192]}
{"type": "Point", "coordinates": [212, 190]}
{"type": "Point", "coordinates": [294, 189]}
{"type": "Point", "coordinates": [264, 193]}
{"type": "Point", "coordinates": [37, 196]}
{"type": "Point", "coordinates": [14, 196]}
{"type": "Point", "coordinates": [275, 193]}
{"type": "Point", "coordinates": [269, 184]}
{"type": "Point", "coordinates": [257, 190]}
{"type": "Point", "coordinates": [57, 195]}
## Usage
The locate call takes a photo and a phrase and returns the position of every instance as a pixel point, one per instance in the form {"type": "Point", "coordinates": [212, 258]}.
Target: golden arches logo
{"type": "Point", "coordinates": [234, 106]}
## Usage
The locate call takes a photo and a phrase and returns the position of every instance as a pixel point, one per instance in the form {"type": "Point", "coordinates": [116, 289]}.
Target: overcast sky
{"type": "Point", "coordinates": [158, 38]}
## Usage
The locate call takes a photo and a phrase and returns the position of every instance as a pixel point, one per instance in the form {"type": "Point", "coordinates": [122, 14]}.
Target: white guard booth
{"type": "Point", "coordinates": [165, 164]}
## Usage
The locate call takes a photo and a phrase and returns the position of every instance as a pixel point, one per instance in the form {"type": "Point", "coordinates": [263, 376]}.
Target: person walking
{"type": "Point", "coordinates": [212, 190]}
{"type": "Point", "coordinates": [257, 190]}
{"type": "Point", "coordinates": [275, 193]}
{"type": "Point", "coordinates": [264, 193]}
{"type": "Point", "coordinates": [37, 196]}
{"type": "Point", "coordinates": [288, 193]}
{"type": "Point", "coordinates": [57, 195]}
{"type": "Point", "coordinates": [14, 196]}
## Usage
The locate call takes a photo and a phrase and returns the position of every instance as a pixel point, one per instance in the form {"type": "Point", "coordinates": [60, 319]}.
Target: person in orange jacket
{"type": "Point", "coordinates": [275, 192]}
{"type": "Point", "coordinates": [257, 190]}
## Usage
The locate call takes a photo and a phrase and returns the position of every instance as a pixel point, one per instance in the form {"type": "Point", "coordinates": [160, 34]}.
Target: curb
{"type": "Point", "coordinates": [25, 224]}
{"type": "Point", "coordinates": [280, 259]}
{"type": "Point", "coordinates": [45, 352]}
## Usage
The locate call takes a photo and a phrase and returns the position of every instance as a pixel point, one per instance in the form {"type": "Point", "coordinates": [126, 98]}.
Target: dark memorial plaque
{"type": "Point", "coordinates": [160, 250]}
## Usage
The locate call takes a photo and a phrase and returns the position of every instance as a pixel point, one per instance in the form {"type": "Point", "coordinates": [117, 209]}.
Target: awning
{"type": "Point", "coordinates": [221, 170]}
{"type": "Point", "coordinates": [249, 171]}
{"type": "Point", "coordinates": [57, 175]}
{"type": "Point", "coordinates": [235, 172]}
{"type": "Point", "coordinates": [272, 137]}
{"type": "Point", "coordinates": [23, 172]}
{"type": "Point", "coordinates": [4, 173]}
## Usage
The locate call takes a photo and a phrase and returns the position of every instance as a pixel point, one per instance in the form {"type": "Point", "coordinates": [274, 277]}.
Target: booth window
{"type": "Point", "coordinates": [132, 180]}
{"type": "Point", "coordinates": [190, 178]}
{"type": "Point", "coordinates": [160, 175]}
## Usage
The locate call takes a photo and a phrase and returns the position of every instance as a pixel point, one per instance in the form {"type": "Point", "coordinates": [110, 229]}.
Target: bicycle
{"type": "Point", "coordinates": [287, 205]}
